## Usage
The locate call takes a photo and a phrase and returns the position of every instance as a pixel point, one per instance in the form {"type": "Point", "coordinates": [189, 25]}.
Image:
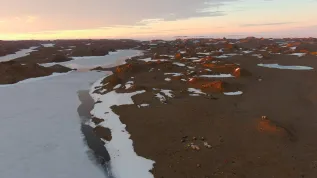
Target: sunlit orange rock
{"type": "Point", "coordinates": [215, 86]}
{"type": "Point", "coordinates": [303, 51]}
{"type": "Point", "coordinates": [237, 72]}
{"type": "Point", "coordinates": [264, 125]}
{"type": "Point", "coordinates": [178, 56]}
{"type": "Point", "coordinates": [314, 53]}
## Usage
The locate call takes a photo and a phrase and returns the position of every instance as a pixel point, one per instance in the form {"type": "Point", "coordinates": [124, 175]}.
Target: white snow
{"type": "Point", "coordinates": [216, 76]}
{"type": "Point", "coordinates": [40, 129]}
{"type": "Point", "coordinates": [233, 93]}
{"type": "Point", "coordinates": [167, 79]}
{"type": "Point", "coordinates": [143, 105]}
{"type": "Point", "coordinates": [203, 53]}
{"type": "Point", "coordinates": [129, 84]}
{"type": "Point", "coordinates": [18, 54]}
{"type": "Point", "coordinates": [189, 67]}
{"type": "Point", "coordinates": [167, 93]}
{"type": "Point", "coordinates": [298, 54]}
{"type": "Point", "coordinates": [117, 86]}
{"type": "Point", "coordinates": [179, 64]}
{"type": "Point", "coordinates": [89, 62]}
{"type": "Point", "coordinates": [160, 97]}
{"type": "Point", "coordinates": [195, 91]}
{"type": "Point", "coordinates": [257, 55]}
{"type": "Point", "coordinates": [125, 163]}
{"type": "Point", "coordinates": [150, 59]}
{"type": "Point", "coordinates": [293, 48]}
{"type": "Point", "coordinates": [48, 45]}
{"type": "Point", "coordinates": [247, 52]}
{"type": "Point", "coordinates": [277, 66]}
{"type": "Point", "coordinates": [173, 74]}
{"type": "Point", "coordinates": [192, 58]}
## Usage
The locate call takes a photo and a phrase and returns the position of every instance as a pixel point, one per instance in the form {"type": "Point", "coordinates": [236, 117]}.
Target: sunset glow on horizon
{"type": "Point", "coordinates": [70, 19]}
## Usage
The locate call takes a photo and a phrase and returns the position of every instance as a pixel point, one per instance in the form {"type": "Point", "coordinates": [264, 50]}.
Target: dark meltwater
{"type": "Point", "coordinates": [98, 154]}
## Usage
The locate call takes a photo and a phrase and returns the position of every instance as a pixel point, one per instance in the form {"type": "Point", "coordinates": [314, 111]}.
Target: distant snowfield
{"type": "Point", "coordinates": [89, 62]}
{"type": "Point", "coordinates": [40, 129]}
{"type": "Point", "coordinates": [18, 54]}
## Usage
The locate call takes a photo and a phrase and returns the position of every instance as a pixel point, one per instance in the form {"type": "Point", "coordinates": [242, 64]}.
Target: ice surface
{"type": "Point", "coordinates": [125, 163]}
{"type": "Point", "coordinates": [89, 62]}
{"type": "Point", "coordinates": [40, 129]}
{"type": "Point", "coordinates": [18, 54]}
{"type": "Point", "coordinates": [277, 66]}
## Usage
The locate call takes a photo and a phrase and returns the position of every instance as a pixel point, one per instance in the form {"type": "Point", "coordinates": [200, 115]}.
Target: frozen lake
{"type": "Point", "coordinates": [41, 128]}
{"type": "Point", "coordinates": [18, 54]}
{"type": "Point", "coordinates": [89, 62]}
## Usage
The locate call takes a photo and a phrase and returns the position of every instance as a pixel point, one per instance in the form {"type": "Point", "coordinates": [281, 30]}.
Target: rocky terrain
{"type": "Point", "coordinates": [221, 107]}
{"type": "Point", "coordinates": [12, 72]}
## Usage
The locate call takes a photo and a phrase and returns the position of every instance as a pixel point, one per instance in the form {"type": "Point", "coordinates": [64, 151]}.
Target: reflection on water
{"type": "Point", "coordinates": [98, 154]}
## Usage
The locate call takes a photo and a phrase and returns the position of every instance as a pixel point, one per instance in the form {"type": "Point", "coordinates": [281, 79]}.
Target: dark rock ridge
{"type": "Point", "coordinates": [12, 72]}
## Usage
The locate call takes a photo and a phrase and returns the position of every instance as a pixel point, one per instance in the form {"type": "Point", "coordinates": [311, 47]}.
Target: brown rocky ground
{"type": "Point", "coordinates": [268, 131]}
{"type": "Point", "coordinates": [13, 72]}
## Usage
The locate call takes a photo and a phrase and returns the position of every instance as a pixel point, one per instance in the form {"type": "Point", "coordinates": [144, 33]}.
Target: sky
{"type": "Point", "coordinates": [153, 19]}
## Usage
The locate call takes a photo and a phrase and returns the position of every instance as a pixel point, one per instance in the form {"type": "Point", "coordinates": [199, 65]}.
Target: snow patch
{"type": "Point", "coordinates": [195, 91]}
{"type": "Point", "coordinates": [179, 64]}
{"type": "Point", "coordinates": [125, 163]}
{"type": "Point", "coordinates": [167, 93]}
{"type": "Point", "coordinates": [217, 76]}
{"type": "Point", "coordinates": [233, 93]}
{"type": "Point", "coordinates": [277, 66]}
